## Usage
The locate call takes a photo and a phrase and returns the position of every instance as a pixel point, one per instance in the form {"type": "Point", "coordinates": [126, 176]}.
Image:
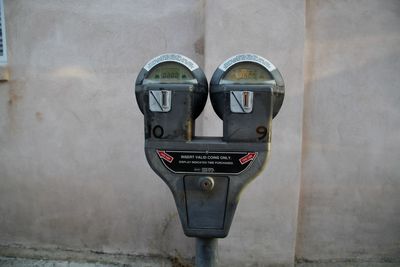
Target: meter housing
{"type": "Point", "coordinates": [171, 91]}
{"type": "Point", "coordinates": [207, 174]}
{"type": "Point", "coordinates": [246, 92]}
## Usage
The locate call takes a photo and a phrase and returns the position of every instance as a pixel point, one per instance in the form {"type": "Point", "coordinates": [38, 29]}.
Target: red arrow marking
{"type": "Point", "coordinates": [165, 156]}
{"type": "Point", "coordinates": [249, 157]}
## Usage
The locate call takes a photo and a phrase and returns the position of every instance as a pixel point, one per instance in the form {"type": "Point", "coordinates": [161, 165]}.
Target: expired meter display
{"type": "Point", "coordinates": [246, 73]}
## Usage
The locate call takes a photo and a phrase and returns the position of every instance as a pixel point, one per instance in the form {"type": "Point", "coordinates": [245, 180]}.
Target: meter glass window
{"type": "Point", "coordinates": [247, 72]}
{"type": "Point", "coordinates": [170, 72]}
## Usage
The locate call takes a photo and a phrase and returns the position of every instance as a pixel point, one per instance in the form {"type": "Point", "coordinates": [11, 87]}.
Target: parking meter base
{"type": "Point", "coordinates": [203, 213]}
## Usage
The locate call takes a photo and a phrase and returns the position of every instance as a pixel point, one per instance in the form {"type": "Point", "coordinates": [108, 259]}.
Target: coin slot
{"type": "Point", "coordinates": [164, 100]}
{"type": "Point", "coordinates": [246, 99]}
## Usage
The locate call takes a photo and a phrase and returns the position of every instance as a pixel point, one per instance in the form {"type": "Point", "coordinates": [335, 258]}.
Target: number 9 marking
{"type": "Point", "coordinates": [262, 131]}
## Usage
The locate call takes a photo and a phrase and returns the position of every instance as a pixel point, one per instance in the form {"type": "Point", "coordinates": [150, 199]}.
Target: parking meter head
{"type": "Point", "coordinates": [170, 69]}
{"type": "Point", "coordinates": [240, 72]}
{"type": "Point", "coordinates": [171, 91]}
{"type": "Point", "coordinates": [247, 92]}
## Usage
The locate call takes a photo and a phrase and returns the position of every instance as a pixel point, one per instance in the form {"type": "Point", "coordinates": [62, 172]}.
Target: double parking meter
{"type": "Point", "coordinates": [207, 174]}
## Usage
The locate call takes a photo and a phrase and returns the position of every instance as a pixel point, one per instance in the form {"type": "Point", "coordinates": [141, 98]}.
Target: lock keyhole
{"type": "Point", "coordinates": [206, 184]}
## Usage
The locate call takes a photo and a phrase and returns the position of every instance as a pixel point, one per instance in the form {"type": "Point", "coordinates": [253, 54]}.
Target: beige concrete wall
{"type": "Point", "coordinates": [264, 229]}
{"type": "Point", "coordinates": [350, 201]}
{"type": "Point", "coordinates": [72, 170]}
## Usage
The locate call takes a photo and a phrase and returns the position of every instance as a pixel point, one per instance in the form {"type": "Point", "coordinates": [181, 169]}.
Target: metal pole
{"type": "Point", "coordinates": [206, 252]}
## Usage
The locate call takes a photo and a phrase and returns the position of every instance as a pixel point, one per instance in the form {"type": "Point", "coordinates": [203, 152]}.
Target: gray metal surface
{"type": "Point", "coordinates": [176, 181]}
{"type": "Point", "coordinates": [206, 252]}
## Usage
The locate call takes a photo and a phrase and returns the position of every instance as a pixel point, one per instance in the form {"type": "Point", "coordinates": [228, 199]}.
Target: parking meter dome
{"type": "Point", "coordinates": [168, 70]}
{"type": "Point", "coordinates": [242, 71]}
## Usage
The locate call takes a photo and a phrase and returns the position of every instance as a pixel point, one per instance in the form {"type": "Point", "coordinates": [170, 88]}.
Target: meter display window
{"type": "Point", "coordinates": [170, 72]}
{"type": "Point", "coordinates": [247, 72]}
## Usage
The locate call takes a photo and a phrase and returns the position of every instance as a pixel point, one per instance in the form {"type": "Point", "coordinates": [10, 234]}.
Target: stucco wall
{"type": "Point", "coordinates": [350, 201]}
{"type": "Point", "coordinates": [264, 229]}
{"type": "Point", "coordinates": [72, 170]}
{"type": "Point", "coordinates": [73, 173]}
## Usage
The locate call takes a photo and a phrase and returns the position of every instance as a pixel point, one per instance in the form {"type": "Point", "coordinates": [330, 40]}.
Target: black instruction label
{"type": "Point", "coordinates": [206, 162]}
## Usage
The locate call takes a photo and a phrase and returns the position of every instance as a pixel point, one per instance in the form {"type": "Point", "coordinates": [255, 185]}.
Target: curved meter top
{"type": "Point", "coordinates": [187, 62]}
{"type": "Point", "coordinates": [247, 58]}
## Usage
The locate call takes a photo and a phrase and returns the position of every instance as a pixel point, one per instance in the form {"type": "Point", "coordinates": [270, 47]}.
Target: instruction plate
{"type": "Point", "coordinates": [206, 161]}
